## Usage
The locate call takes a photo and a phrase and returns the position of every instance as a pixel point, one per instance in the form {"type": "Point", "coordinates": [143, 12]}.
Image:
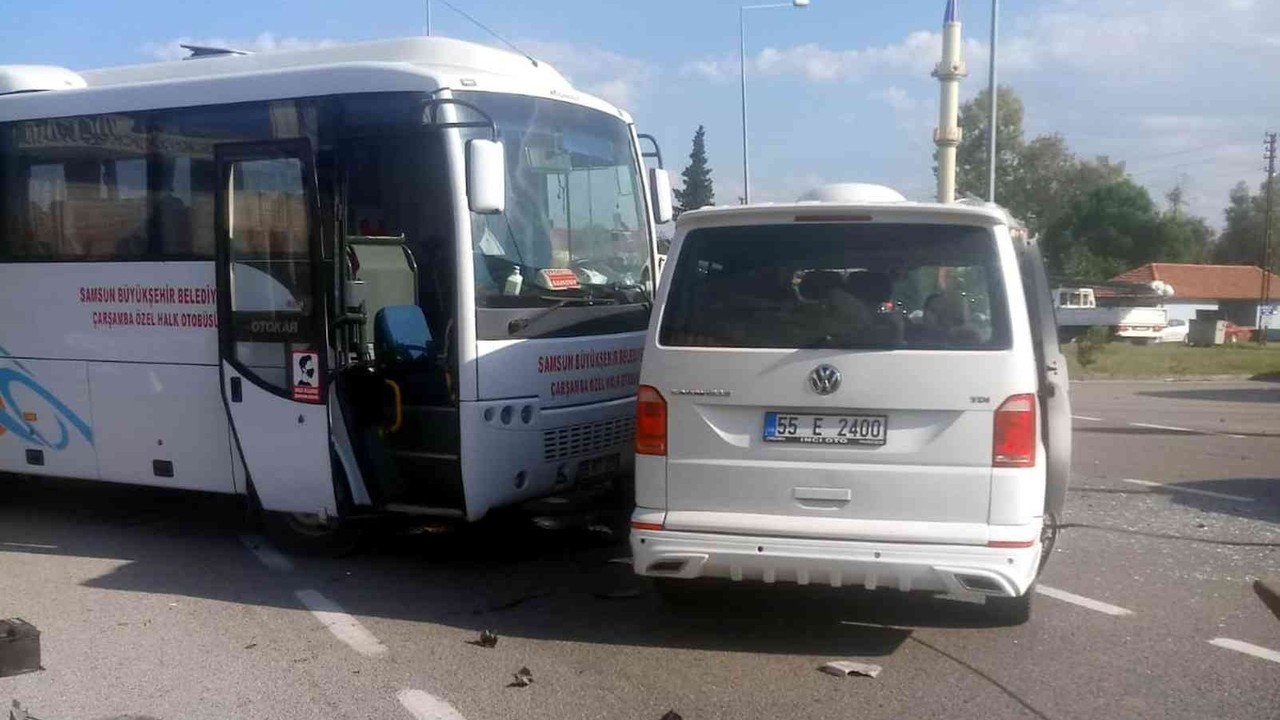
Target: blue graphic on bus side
{"type": "Point", "coordinates": [13, 416]}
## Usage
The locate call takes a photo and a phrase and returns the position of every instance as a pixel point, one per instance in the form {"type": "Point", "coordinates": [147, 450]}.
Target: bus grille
{"type": "Point", "coordinates": [575, 440]}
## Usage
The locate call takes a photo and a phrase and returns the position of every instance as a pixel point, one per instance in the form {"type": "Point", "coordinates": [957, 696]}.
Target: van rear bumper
{"type": "Point", "coordinates": [960, 569]}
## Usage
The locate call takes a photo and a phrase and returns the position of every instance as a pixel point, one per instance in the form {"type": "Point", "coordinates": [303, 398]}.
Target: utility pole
{"type": "Point", "coordinates": [428, 18]}
{"type": "Point", "coordinates": [1269, 154]}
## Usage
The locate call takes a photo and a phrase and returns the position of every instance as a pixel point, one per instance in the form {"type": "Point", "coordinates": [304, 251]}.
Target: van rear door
{"type": "Point", "coordinates": [839, 379]}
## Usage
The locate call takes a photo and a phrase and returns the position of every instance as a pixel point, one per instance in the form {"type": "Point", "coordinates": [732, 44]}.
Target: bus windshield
{"type": "Point", "coordinates": [573, 205]}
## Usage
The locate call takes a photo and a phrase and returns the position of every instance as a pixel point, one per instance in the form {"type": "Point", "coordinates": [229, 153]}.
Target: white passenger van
{"type": "Point", "coordinates": [852, 390]}
{"type": "Point", "coordinates": [406, 276]}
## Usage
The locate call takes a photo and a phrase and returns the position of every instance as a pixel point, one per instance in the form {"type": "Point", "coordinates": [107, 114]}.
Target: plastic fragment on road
{"type": "Point", "coordinates": [1269, 593]}
{"type": "Point", "coordinates": [846, 668]}
{"type": "Point", "coordinates": [19, 647]}
{"type": "Point", "coordinates": [523, 678]}
{"type": "Point", "coordinates": [486, 640]}
{"type": "Point", "coordinates": [628, 593]}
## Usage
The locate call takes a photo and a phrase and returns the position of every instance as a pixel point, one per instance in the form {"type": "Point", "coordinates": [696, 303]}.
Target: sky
{"type": "Point", "coordinates": [1180, 90]}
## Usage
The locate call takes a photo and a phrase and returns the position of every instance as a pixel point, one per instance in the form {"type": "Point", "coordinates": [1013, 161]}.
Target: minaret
{"type": "Point", "coordinates": [947, 136]}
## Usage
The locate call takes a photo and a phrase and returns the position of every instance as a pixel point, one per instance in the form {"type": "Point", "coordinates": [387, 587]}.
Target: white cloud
{"type": "Point", "coordinates": [264, 42]}
{"type": "Point", "coordinates": [1172, 87]}
{"type": "Point", "coordinates": [617, 78]}
{"type": "Point", "coordinates": [900, 100]}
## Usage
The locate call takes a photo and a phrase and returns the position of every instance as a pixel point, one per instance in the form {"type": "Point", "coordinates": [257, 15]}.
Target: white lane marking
{"type": "Point", "coordinates": [1238, 437]}
{"type": "Point", "coordinates": [1247, 648]}
{"type": "Point", "coordinates": [1193, 491]}
{"type": "Point", "coordinates": [267, 554]}
{"type": "Point", "coordinates": [1086, 417]}
{"type": "Point", "coordinates": [425, 706]}
{"type": "Point", "coordinates": [1168, 427]}
{"type": "Point", "coordinates": [29, 546]}
{"type": "Point", "coordinates": [343, 626]}
{"type": "Point", "coordinates": [1083, 601]}
{"type": "Point", "coordinates": [621, 561]}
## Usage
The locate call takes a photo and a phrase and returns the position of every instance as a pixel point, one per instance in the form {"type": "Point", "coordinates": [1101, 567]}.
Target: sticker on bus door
{"type": "Point", "coordinates": [306, 376]}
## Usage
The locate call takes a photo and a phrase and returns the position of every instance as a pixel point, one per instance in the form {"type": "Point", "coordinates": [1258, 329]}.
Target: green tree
{"type": "Point", "coordinates": [1092, 220]}
{"type": "Point", "coordinates": [972, 177]}
{"type": "Point", "coordinates": [1036, 180]}
{"type": "Point", "coordinates": [1241, 239]}
{"type": "Point", "coordinates": [698, 189]}
{"type": "Point", "coordinates": [1117, 227]}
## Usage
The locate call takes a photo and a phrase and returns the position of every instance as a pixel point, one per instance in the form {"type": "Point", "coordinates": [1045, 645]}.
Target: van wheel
{"type": "Point", "coordinates": [1010, 611]}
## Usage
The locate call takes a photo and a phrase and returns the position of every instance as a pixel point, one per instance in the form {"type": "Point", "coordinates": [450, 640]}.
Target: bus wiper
{"type": "Point", "coordinates": [520, 325]}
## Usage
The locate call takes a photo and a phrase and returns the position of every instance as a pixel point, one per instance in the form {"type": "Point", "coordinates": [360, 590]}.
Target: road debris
{"type": "Point", "coordinates": [486, 640]}
{"type": "Point", "coordinates": [1269, 593]}
{"type": "Point", "coordinates": [17, 712]}
{"type": "Point", "coordinates": [523, 678]}
{"type": "Point", "coordinates": [251, 646]}
{"type": "Point", "coordinates": [847, 668]}
{"type": "Point", "coordinates": [627, 593]}
{"type": "Point", "coordinates": [19, 647]}
{"type": "Point", "coordinates": [672, 715]}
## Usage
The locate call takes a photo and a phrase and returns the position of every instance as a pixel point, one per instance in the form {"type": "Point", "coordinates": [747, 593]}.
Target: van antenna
{"type": "Point", "coordinates": [483, 27]}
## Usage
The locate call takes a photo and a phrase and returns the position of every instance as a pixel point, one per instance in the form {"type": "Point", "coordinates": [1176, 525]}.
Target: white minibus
{"type": "Point", "coordinates": [852, 390]}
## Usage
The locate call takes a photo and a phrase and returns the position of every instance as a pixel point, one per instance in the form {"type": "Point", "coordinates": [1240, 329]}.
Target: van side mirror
{"type": "Point", "coordinates": [486, 177]}
{"type": "Point", "coordinates": [401, 335]}
{"type": "Point", "coordinates": [660, 186]}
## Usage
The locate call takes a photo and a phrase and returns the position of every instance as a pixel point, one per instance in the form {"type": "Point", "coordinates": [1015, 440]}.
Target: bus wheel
{"type": "Point", "coordinates": [306, 534]}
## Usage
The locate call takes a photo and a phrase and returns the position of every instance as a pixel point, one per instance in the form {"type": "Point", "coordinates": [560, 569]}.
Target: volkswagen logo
{"type": "Point", "coordinates": [824, 379]}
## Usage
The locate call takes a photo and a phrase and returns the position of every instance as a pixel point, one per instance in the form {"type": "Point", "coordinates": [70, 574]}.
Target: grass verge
{"type": "Point", "coordinates": [1121, 360]}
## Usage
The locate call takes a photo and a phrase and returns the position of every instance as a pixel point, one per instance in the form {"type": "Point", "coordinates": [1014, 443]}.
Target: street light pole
{"type": "Point", "coordinates": [742, 60]}
{"type": "Point", "coordinates": [995, 111]}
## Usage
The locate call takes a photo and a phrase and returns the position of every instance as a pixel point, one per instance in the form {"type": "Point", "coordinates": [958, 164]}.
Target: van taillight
{"type": "Point", "coordinates": [651, 422]}
{"type": "Point", "coordinates": [1015, 433]}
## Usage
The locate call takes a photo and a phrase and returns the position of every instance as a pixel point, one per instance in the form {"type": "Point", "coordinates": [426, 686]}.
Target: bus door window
{"type": "Point", "coordinates": [271, 270]}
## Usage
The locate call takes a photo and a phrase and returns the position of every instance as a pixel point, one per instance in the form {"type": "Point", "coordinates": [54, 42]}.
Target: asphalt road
{"type": "Point", "coordinates": [165, 605]}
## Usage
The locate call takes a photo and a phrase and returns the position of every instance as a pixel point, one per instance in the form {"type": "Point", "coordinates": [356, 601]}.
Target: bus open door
{"type": "Point", "coordinates": [271, 325]}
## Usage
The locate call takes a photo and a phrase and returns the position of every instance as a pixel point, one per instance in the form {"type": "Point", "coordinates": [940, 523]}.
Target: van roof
{"type": "Point", "coordinates": [963, 213]}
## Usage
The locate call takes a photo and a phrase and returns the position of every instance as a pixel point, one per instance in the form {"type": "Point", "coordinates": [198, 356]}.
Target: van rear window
{"type": "Point", "coordinates": [856, 286]}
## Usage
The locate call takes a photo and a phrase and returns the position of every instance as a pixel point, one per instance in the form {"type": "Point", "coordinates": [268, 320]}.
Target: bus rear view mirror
{"type": "Point", "coordinates": [486, 177]}
{"type": "Point", "coordinates": [660, 185]}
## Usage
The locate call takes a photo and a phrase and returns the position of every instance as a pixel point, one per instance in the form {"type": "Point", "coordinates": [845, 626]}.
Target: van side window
{"type": "Point", "coordinates": [881, 286]}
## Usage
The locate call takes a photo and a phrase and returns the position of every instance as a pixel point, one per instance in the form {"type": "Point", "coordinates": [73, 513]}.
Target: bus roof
{"type": "Point", "coordinates": [409, 64]}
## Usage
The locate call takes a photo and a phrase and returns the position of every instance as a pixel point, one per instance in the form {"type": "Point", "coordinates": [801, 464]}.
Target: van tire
{"type": "Point", "coordinates": [1010, 611]}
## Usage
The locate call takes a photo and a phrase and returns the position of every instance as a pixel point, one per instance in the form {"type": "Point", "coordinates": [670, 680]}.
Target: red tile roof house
{"type": "Point", "coordinates": [1233, 289]}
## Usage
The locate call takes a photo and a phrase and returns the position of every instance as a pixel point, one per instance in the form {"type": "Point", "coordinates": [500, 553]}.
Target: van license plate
{"type": "Point", "coordinates": [825, 429]}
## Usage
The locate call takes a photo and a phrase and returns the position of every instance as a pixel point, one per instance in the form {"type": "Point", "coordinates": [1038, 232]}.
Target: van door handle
{"type": "Point", "coordinates": [237, 393]}
{"type": "Point", "coordinates": [823, 495]}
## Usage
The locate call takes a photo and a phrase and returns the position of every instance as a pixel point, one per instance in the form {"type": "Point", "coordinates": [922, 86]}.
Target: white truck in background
{"type": "Point", "coordinates": [1077, 310]}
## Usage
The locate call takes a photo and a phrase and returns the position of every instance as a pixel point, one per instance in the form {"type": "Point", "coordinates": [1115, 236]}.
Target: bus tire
{"type": "Point", "coordinates": [1009, 611]}
{"type": "Point", "coordinates": [305, 534]}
